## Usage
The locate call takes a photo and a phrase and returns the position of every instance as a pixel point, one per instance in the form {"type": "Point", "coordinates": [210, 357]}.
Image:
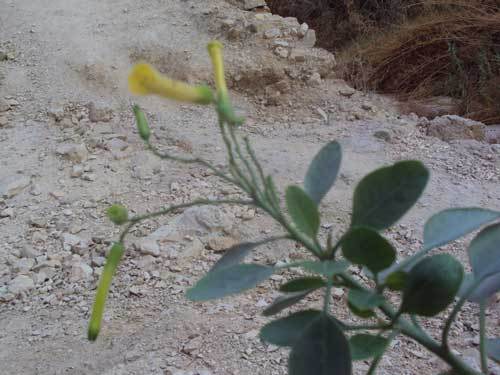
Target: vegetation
{"type": "Point", "coordinates": [413, 48]}
{"type": "Point", "coordinates": [320, 342]}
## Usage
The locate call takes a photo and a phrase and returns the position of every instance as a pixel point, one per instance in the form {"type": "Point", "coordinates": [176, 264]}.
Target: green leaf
{"type": "Point", "coordinates": [303, 283]}
{"type": "Point", "coordinates": [365, 246]}
{"type": "Point", "coordinates": [493, 347]}
{"type": "Point", "coordinates": [432, 285]}
{"type": "Point", "coordinates": [326, 268]}
{"type": "Point", "coordinates": [396, 280]}
{"type": "Point", "coordinates": [229, 280]}
{"type": "Point", "coordinates": [364, 346]}
{"type": "Point", "coordinates": [322, 349]}
{"type": "Point", "coordinates": [323, 171]}
{"type": "Point", "coordinates": [365, 314]}
{"type": "Point", "coordinates": [384, 196]}
{"type": "Point", "coordinates": [303, 210]}
{"type": "Point", "coordinates": [484, 252]}
{"type": "Point", "coordinates": [448, 225]}
{"type": "Point", "coordinates": [235, 255]}
{"type": "Point", "coordinates": [285, 301]}
{"type": "Point", "coordinates": [285, 331]}
{"type": "Point", "coordinates": [489, 286]}
{"type": "Point", "coordinates": [363, 300]}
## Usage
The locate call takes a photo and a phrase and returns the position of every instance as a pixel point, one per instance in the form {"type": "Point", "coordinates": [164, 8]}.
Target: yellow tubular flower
{"type": "Point", "coordinates": [225, 108]}
{"type": "Point", "coordinates": [145, 80]}
{"type": "Point", "coordinates": [215, 52]}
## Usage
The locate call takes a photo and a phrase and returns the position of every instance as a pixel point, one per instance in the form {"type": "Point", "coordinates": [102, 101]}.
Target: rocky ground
{"type": "Point", "coordinates": [68, 149]}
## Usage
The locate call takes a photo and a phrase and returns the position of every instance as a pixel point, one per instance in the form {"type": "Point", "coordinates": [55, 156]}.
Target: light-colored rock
{"type": "Point", "coordinates": [75, 244]}
{"type": "Point", "coordinates": [272, 33]}
{"type": "Point", "coordinates": [99, 114]}
{"type": "Point", "coordinates": [314, 80]}
{"type": "Point", "coordinates": [73, 152]}
{"type": "Point", "coordinates": [4, 105]}
{"type": "Point", "coordinates": [281, 52]}
{"type": "Point", "coordinates": [24, 265]}
{"type": "Point", "coordinates": [8, 212]}
{"type": "Point", "coordinates": [148, 246]}
{"type": "Point", "coordinates": [21, 284]}
{"type": "Point", "coordinates": [251, 4]}
{"type": "Point", "coordinates": [193, 249]}
{"type": "Point", "coordinates": [298, 54]}
{"type": "Point", "coordinates": [218, 243]}
{"type": "Point", "coordinates": [81, 272]}
{"type": "Point", "coordinates": [452, 127]}
{"type": "Point", "coordinates": [4, 121]}
{"type": "Point", "coordinates": [12, 185]}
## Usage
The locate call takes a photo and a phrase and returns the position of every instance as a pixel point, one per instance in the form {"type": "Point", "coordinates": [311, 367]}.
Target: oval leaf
{"type": "Point", "coordinates": [326, 268]}
{"type": "Point", "coordinates": [365, 246]}
{"type": "Point", "coordinates": [323, 171]}
{"type": "Point", "coordinates": [364, 346]}
{"type": "Point", "coordinates": [235, 255]}
{"type": "Point", "coordinates": [448, 225]}
{"type": "Point", "coordinates": [484, 252]}
{"type": "Point", "coordinates": [321, 350]}
{"type": "Point", "coordinates": [384, 196]}
{"type": "Point", "coordinates": [285, 301]}
{"type": "Point", "coordinates": [396, 280]}
{"type": "Point", "coordinates": [489, 286]}
{"type": "Point", "coordinates": [364, 300]}
{"type": "Point", "coordinates": [432, 285]}
{"type": "Point", "coordinates": [493, 348]}
{"type": "Point", "coordinates": [285, 331]}
{"type": "Point", "coordinates": [229, 280]}
{"type": "Point", "coordinates": [303, 283]}
{"type": "Point", "coordinates": [303, 210]}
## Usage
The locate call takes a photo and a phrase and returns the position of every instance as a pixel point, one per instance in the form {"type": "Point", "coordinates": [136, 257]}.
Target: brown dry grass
{"type": "Point", "coordinates": [414, 48]}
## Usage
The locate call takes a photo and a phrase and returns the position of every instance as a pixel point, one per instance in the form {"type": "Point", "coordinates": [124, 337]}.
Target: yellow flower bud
{"type": "Point", "coordinates": [215, 52]}
{"type": "Point", "coordinates": [145, 80]}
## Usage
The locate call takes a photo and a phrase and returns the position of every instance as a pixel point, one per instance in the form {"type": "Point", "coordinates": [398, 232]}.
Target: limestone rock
{"type": "Point", "coordinates": [21, 284]}
{"type": "Point", "coordinates": [81, 272]}
{"type": "Point", "coordinates": [73, 152]}
{"type": "Point", "coordinates": [13, 185]}
{"type": "Point", "coordinates": [452, 127]}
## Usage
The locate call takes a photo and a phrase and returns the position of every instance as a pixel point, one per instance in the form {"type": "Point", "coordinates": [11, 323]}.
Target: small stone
{"type": "Point", "coordinates": [4, 105]}
{"type": "Point", "coordinates": [193, 250]}
{"type": "Point", "coordinates": [29, 252]}
{"type": "Point", "coordinates": [367, 107]}
{"type": "Point", "coordinates": [98, 261]}
{"type": "Point", "coordinates": [148, 246]}
{"type": "Point", "coordinates": [347, 92]}
{"type": "Point", "coordinates": [75, 244]}
{"type": "Point", "coordinates": [80, 272]}
{"type": "Point", "coordinates": [298, 54]}
{"type": "Point", "coordinates": [337, 292]}
{"type": "Point", "coordinates": [89, 177]}
{"type": "Point", "coordinates": [21, 284]}
{"type": "Point", "coordinates": [314, 80]}
{"type": "Point", "coordinates": [76, 171]}
{"type": "Point", "coordinates": [8, 212]}
{"type": "Point", "coordinates": [73, 152]}
{"type": "Point", "coordinates": [281, 52]}
{"type": "Point", "coordinates": [13, 185]}
{"type": "Point", "coordinates": [3, 121]}
{"type": "Point", "coordinates": [217, 243]}
{"type": "Point", "coordinates": [304, 28]}
{"type": "Point", "coordinates": [57, 113]}
{"type": "Point", "coordinates": [99, 114]}
{"type": "Point", "coordinates": [24, 265]}
{"type": "Point", "coordinates": [193, 345]}
{"type": "Point", "coordinates": [383, 134]}
{"type": "Point", "coordinates": [272, 33]}
{"type": "Point", "coordinates": [309, 40]}
{"type": "Point", "coordinates": [248, 215]}
{"type": "Point", "coordinates": [38, 222]}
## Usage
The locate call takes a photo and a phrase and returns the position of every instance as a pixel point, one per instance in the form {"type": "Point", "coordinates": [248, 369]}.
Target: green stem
{"type": "Point", "coordinates": [482, 336]}
{"type": "Point", "coordinates": [328, 296]}
{"type": "Point", "coordinates": [407, 328]}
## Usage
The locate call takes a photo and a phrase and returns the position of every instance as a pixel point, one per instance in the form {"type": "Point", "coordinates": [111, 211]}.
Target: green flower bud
{"type": "Point", "coordinates": [114, 257]}
{"type": "Point", "coordinates": [117, 214]}
{"type": "Point", "coordinates": [142, 123]}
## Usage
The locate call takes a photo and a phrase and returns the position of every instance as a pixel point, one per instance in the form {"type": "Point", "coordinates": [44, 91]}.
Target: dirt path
{"type": "Point", "coordinates": [65, 162]}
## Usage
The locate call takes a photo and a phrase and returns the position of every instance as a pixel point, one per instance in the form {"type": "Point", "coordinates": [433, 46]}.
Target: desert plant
{"type": "Point", "coordinates": [320, 342]}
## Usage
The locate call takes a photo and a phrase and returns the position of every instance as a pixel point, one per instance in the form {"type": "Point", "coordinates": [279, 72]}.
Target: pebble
{"type": "Point", "coordinates": [80, 272]}
{"type": "Point", "coordinates": [73, 152]}
{"type": "Point", "coordinates": [12, 185]}
{"type": "Point", "coordinates": [21, 284]}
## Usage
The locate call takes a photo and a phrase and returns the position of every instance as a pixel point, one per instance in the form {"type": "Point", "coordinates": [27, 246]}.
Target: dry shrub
{"type": "Point", "coordinates": [451, 52]}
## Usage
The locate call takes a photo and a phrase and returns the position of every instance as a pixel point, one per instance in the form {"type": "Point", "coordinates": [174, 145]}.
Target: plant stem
{"type": "Point", "coordinates": [328, 296]}
{"type": "Point", "coordinates": [407, 328]}
{"type": "Point", "coordinates": [377, 359]}
{"type": "Point", "coordinates": [482, 336]}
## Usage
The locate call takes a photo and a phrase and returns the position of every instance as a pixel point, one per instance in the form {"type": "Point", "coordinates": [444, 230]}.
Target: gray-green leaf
{"type": "Point", "coordinates": [364, 346]}
{"type": "Point", "coordinates": [229, 280]}
{"type": "Point", "coordinates": [384, 196]}
{"type": "Point", "coordinates": [493, 348]}
{"type": "Point", "coordinates": [484, 252]}
{"type": "Point", "coordinates": [285, 331]}
{"type": "Point", "coordinates": [303, 210]}
{"type": "Point", "coordinates": [285, 301]}
{"type": "Point", "coordinates": [322, 349]}
{"type": "Point", "coordinates": [367, 247]}
{"type": "Point", "coordinates": [323, 171]}
{"type": "Point", "coordinates": [235, 255]}
{"type": "Point", "coordinates": [432, 285]}
{"type": "Point", "coordinates": [303, 283]}
{"type": "Point", "coordinates": [326, 268]}
{"type": "Point", "coordinates": [362, 302]}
